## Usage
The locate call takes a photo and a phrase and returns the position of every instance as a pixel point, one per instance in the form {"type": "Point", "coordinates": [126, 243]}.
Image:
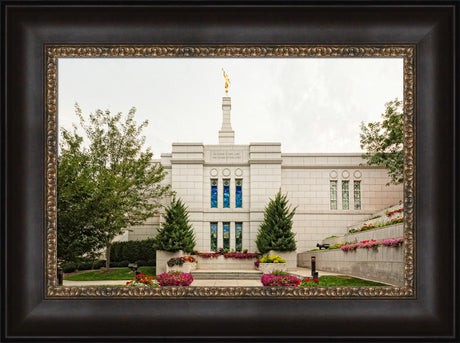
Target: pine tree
{"type": "Point", "coordinates": [176, 232]}
{"type": "Point", "coordinates": [275, 232]}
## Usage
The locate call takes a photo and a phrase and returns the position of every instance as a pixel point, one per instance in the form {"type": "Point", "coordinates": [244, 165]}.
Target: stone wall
{"type": "Point", "coordinates": [162, 258]}
{"type": "Point", "coordinates": [384, 265]}
{"type": "Point", "coordinates": [386, 232]}
{"type": "Point", "coordinates": [222, 263]}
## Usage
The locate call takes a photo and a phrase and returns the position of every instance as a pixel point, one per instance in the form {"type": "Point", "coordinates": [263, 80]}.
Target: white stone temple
{"type": "Point", "coordinates": [227, 186]}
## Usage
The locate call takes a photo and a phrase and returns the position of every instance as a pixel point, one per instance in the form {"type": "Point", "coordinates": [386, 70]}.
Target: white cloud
{"type": "Point", "coordinates": [307, 104]}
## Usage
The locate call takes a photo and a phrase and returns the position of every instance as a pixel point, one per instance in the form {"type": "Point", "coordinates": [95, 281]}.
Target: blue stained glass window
{"type": "Point", "coordinates": [213, 192]}
{"type": "Point", "coordinates": [213, 236]}
{"type": "Point", "coordinates": [226, 193]}
{"type": "Point", "coordinates": [239, 193]}
{"type": "Point", "coordinates": [226, 235]}
{"type": "Point", "coordinates": [238, 236]}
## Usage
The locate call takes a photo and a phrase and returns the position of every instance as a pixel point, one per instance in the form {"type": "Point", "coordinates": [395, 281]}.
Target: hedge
{"type": "Point", "coordinates": [141, 252]}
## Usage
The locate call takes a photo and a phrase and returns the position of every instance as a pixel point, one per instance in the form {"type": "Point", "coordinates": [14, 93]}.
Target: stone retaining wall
{"type": "Point", "coordinates": [386, 232]}
{"type": "Point", "coordinates": [385, 264]}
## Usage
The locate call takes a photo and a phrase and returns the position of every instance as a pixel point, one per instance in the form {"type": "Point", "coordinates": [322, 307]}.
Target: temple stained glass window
{"type": "Point", "coordinates": [345, 195]}
{"type": "Point", "coordinates": [238, 236]}
{"type": "Point", "coordinates": [213, 236]}
{"type": "Point", "coordinates": [226, 193]}
{"type": "Point", "coordinates": [238, 193]}
{"type": "Point", "coordinates": [357, 194]}
{"type": "Point", "coordinates": [213, 193]}
{"type": "Point", "coordinates": [333, 192]}
{"type": "Point", "coordinates": [226, 235]}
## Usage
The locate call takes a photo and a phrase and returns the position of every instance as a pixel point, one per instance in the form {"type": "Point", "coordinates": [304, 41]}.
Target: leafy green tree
{"type": "Point", "coordinates": [275, 232]}
{"type": "Point", "coordinates": [176, 232]}
{"type": "Point", "coordinates": [383, 141]}
{"type": "Point", "coordinates": [106, 183]}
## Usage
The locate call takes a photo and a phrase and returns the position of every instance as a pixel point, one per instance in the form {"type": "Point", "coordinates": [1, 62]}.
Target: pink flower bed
{"type": "Point", "coordinates": [390, 213]}
{"type": "Point", "coordinates": [175, 279]}
{"type": "Point", "coordinates": [286, 280]}
{"type": "Point", "coordinates": [373, 244]}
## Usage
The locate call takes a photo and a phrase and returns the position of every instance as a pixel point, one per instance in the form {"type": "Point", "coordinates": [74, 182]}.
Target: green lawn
{"type": "Point", "coordinates": [348, 281]}
{"type": "Point", "coordinates": [113, 274]}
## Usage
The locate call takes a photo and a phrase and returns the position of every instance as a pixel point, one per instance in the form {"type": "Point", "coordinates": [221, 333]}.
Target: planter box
{"type": "Point", "coordinates": [187, 267]}
{"type": "Point", "coordinates": [385, 232]}
{"type": "Point", "coordinates": [163, 257]}
{"type": "Point", "coordinates": [289, 256]}
{"type": "Point", "coordinates": [222, 263]}
{"type": "Point", "coordinates": [268, 268]}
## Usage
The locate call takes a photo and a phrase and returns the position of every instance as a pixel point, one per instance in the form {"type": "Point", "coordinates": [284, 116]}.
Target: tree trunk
{"type": "Point", "coordinates": [107, 257]}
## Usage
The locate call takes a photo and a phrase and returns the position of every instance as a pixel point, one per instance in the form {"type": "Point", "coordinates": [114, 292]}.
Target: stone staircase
{"type": "Point", "coordinates": [204, 274]}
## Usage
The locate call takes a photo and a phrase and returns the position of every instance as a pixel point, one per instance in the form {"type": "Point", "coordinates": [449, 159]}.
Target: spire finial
{"type": "Point", "coordinates": [227, 81]}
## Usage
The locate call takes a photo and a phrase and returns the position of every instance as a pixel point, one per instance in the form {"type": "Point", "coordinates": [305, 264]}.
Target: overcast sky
{"type": "Point", "coordinates": [308, 104]}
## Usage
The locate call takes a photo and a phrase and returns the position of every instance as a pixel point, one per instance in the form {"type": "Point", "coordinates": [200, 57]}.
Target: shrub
{"type": "Point", "coordinates": [141, 263]}
{"type": "Point", "coordinates": [133, 251]}
{"type": "Point", "coordinates": [84, 265]}
{"type": "Point", "coordinates": [176, 233]}
{"type": "Point", "coordinates": [279, 273]}
{"type": "Point", "coordinates": [245, 251]}
{"type": "Point", "coordinates": [275, 232]}
{"type": "Point", "coordinates": [99, 264]}
{"type": "Point", "coordinates": [272, 259]}
{"type": "Point", "coordinates": [69, 267]}
{"type": "Point", "coordinates": [175, 279]}
{"type": "Point", "coordinates": [270, 280]}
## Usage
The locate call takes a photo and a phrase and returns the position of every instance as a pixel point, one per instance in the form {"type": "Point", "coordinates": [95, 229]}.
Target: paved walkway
{"type": "Point", "coordinates": [301, 272]}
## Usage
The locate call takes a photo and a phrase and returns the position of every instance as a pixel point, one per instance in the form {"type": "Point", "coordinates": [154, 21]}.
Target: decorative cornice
{"type": "Point", "coordinates": [186, 161]}
{"type": "Point", "coordinates": [329, 166]}
{"type": "Point", "coordinates": [266, 161]}
{"type": "Point", "coordinates": [55, 51]}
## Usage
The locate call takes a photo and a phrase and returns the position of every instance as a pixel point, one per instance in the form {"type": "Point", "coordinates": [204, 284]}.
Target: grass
{"type": "Point", "coordinates": [113, 274]}
{"type": "Point", "coordinates": [345, 281]}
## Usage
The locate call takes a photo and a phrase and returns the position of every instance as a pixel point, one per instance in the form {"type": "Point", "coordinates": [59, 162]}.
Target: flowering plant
{"type": "Point", "coordinates": [284, 280]}
{"type": "Point", "coordinates": [397, 220]}
{"type": "Point", "coordinates": [143, 280]}
{"type": "Point", "coordinates": [390, 213]}
{"type": "Point", "coordinates": [175, 279]}
{"type": "Point", "coordinates": [308, 282]}
{"type": "Point", "coordinates": [178, 261]}
{"type": "Point", "coordinates": [240, 255]}
{"type": "Point", "coordinates": [272, 259]}
{"type": "Point", "coordinates": [373, 244]}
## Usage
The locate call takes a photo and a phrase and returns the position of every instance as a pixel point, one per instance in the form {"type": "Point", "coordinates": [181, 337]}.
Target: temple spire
{"type": "Point", "coordinates": [226, 134]}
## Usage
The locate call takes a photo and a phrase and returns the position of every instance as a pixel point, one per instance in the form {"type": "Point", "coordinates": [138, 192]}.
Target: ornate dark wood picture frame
{"type": "Point", "coordinates": [35, 36]}
{"type": "Point", "coordinates": [407, 53]}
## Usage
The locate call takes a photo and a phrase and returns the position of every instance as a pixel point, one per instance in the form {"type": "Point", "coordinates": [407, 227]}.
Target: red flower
{"type": "Point", "coordinates": [315, 280]}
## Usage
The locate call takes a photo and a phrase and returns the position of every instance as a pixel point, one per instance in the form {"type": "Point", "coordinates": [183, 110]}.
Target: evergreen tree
{"type": "Point", "coordinates": [176, 232]}
{"type": "Point", "coordinates": [275, 233]}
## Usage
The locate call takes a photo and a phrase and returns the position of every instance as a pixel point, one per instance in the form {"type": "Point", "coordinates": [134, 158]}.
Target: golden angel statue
{"type": "Point", "coordinates": [227, 80]}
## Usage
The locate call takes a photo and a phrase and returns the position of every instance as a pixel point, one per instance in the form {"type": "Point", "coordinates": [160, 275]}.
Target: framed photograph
{"type": "Point", "coordinates": [173, 61]}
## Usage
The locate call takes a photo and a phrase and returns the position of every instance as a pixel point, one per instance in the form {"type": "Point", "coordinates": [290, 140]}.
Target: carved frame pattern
{"type": "Point", "coordinates": [53, 52]}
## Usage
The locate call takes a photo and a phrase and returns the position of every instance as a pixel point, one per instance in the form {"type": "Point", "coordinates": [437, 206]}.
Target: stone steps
{"type": "Point", "coordinates": [204, 274]}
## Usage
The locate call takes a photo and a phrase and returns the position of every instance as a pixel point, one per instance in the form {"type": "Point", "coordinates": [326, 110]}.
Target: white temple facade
{"type": "Point", "coordinates": [227, 186]}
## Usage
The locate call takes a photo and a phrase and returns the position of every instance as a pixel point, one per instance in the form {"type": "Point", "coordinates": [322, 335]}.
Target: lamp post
{"type": "Point", "coordinates": [60, 274]}
{"type": "Point", "coordinates": [314, 273]}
